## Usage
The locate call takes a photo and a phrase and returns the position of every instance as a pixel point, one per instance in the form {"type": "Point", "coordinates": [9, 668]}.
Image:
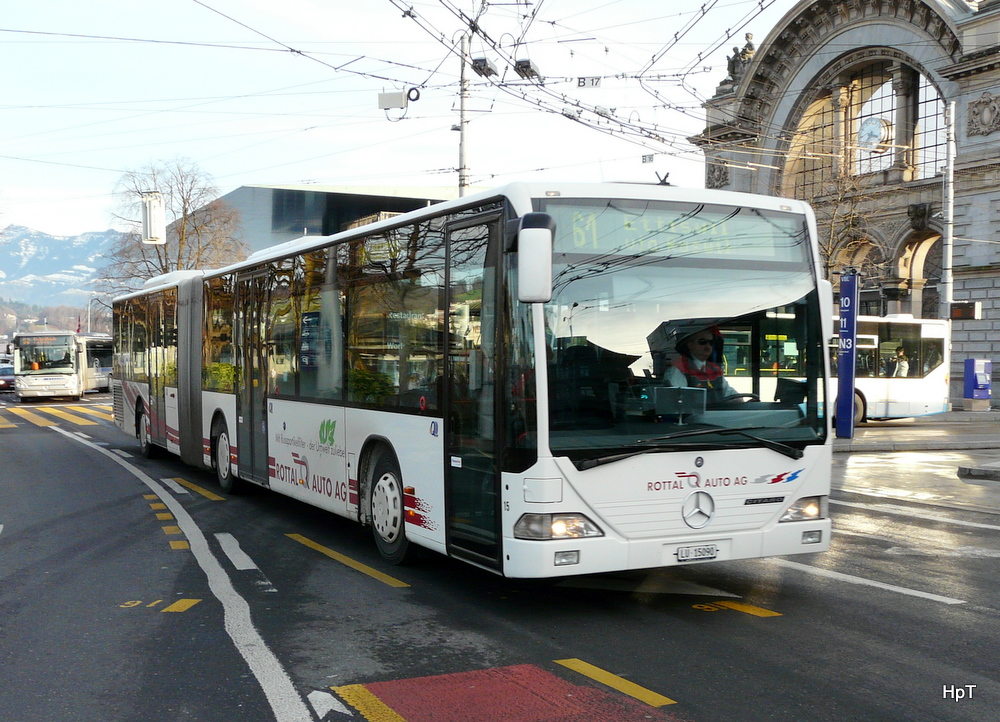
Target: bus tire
{"type": "Point", "coordinates": [859, 409]}
{"type": "Point", "coordinates": [230, 483]}
{"type": "Point", "coordinates": [142, 432]}
{"type": "Point", "coordinates": [386, 507]}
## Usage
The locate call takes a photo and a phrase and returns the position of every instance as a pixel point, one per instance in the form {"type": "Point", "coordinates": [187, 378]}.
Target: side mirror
{"type": "Point", "coordinates": [535, 234]}
{"type": "Point", "coordinates": [826, 312]}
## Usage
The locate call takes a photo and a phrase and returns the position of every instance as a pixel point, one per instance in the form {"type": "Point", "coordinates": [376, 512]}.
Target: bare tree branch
{"type": "Point", "coordinates": [203, 232]}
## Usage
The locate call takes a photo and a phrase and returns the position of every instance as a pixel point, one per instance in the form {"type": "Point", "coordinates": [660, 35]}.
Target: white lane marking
{"type": "Point", "coordinates": [965, 552]}
{"type": "Point", "coordinates": [652, 585]}
{"type": "Point", "coordinates": [122, 453]}
{"type": "Point", "coordinates": [240, 559]}
{"type": "Point", "coordinates": [324, 703]}
{"type": "Point", "coordinates": [957, 552]}
{"type": "Point", "coordinates": [899, 511]}
{"type": "Point", "coordinates": [174, 486]}
{"type": "Point", "coordinates": [285, 702]}
{"type": "Point", "coordinates": [876, 537]}
{"type": "Point", "coordinates": [863, 582]}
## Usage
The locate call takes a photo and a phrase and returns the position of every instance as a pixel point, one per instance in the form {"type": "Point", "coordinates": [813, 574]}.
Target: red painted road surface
{"type": "Point", "coordinates": [522, 693]}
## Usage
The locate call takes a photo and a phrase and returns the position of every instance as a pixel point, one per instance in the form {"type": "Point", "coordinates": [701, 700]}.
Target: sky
{"type": "Point", "coordinates": [255, 92]}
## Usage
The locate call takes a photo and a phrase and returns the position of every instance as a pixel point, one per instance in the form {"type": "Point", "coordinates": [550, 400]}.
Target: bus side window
{"type": "Point", "coordinates": [933, 353]}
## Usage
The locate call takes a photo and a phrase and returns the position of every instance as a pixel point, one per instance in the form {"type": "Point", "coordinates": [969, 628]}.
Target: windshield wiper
{"type": "Point", "coordinates": [602, 460]}
{"type": "Point", "coordinates": [650, 444]}
{"type": "Point", "coordinates": [789, 451]}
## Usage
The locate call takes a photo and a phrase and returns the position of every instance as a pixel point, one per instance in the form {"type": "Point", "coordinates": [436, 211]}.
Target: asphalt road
{"type": "Point", "coordinates": [132, 589]}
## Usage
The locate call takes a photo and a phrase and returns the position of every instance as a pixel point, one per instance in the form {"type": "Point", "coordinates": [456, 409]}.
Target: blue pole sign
{"type": "Point", "coordinates": [846, 354]}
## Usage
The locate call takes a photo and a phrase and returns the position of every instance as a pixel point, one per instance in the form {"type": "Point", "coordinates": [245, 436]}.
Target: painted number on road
{"type": "Point", "coordinates": [737, 606]}
{"type": "Point", "coordinates": [181, 605]}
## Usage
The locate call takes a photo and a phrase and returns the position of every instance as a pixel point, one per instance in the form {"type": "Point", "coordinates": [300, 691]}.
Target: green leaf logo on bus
{"type": "Point", "coordinates": [327, 432]}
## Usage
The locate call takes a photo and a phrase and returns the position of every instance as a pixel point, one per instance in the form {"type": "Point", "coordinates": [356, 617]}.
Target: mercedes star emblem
{"type": "Point", "coordinates": [698, 509]}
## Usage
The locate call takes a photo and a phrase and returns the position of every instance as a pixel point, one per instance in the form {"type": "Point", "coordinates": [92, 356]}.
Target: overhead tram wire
{"type": "Point", "coordinates": [631, 132]}
{"type": "Point", "coordinates": [205, 101]}
{"type": "Point", "coordinates": [636, 133]}
{"type": "Point", "coordinates": [654, 133]}
{"type": "Point", "coordinates": [301, 53]}
{"type": "Point", "coordinates": [225, 46]}
{"type": "Point", "coordinates": [626, 130]}
{"type": "Point", "coordinates": [716, 45]}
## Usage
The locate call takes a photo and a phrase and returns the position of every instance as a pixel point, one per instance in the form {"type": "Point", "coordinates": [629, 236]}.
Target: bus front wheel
{"type": "Point", "coordinates": [221, 459]}
{"type": "Point", "coordinates": [387, 510]}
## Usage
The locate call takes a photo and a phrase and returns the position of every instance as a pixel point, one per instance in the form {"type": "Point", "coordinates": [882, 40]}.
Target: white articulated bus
{"type": "Point", "coordinates": [60, 363]}
{"type": "Point", "coordinates": [890, 384]}
{"type": "Point", "coordinates": [498, 378]}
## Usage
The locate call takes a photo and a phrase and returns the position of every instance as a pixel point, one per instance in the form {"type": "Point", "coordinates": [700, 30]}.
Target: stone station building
{"type": "Point", "coordinates": [846, 104]}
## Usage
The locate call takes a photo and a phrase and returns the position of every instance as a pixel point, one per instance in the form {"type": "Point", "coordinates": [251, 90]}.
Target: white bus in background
{"type": "Point", "coordinates": [488, 377]}
{"type": "Point", "coordinates": [98, 351]}
{"type": "Point", "coordinates": [883, 390]}
{"type": "Point", "coordinates": [60, 363]}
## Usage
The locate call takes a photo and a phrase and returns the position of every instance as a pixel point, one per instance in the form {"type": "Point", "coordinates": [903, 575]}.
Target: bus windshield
{"type": "Point", "coordinates": [674, 325]}
{"type": "Point", "coordinates": [44, 354]}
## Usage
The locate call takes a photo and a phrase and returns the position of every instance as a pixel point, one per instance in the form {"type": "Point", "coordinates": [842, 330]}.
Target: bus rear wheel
{"type": "Point", "coordinates": [387, 512]}
{"type": "Point", "coordinates": [859, 408]}
{"type": "Point", "coordinates": [221, 459]}
{"type": "Point", "coordinates": [143, 433]}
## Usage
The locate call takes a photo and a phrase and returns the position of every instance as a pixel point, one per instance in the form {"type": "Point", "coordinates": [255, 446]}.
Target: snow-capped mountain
{"type": "Point", "coordinates": [49, 270]}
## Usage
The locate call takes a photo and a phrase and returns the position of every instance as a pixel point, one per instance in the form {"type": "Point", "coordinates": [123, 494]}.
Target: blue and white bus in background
{"type": "Point", "coordinates": [901, 369]}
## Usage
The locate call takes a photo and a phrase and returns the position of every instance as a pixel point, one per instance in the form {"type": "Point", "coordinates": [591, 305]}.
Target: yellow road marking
{"type": "Point", "coordinates": [150, 496]}
{"type": "Point", "coordinates": [4, 424]}
{"type": "Point", "coordinates": [90, 411]}
{"type": "Point", "coordinates": [370, 706]}
{"type": "Point", "coordinates": [166, 516]}
{"type": "Point", "coordinates": [66, 416]}
{"type": "Point", "coordinates": [199, 490]}
{"type": "Point", "coordinates": [32, 417]}
{"type": "Point", "coordinates": [158, 507]}
{"type": "Point", "coordinates": [171, 530]}
{"type": "Point", "coordinates": [180, 545]}
{"type": "Point", "coordinates": [747, 609]}
{"type": "Point", "coordinates": [615, 682]}
{"type": "Point", "coordinates": [347, 561]}
{"type": "Point", "coordinates": [181, 605]}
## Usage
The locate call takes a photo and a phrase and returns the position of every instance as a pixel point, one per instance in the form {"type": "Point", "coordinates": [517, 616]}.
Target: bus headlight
{"type": "Point", "coordinates": [555, 526]}
{"type": "Point", "coordinates": [808, 508]}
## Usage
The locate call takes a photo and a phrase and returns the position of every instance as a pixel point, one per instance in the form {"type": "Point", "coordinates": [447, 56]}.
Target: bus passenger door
{"type": "Point", "coordinates": [251, 413]}
{"type": "Point", "coordinates": [472, 490]}
{"type": "Point", "coordinates": [157, 402]}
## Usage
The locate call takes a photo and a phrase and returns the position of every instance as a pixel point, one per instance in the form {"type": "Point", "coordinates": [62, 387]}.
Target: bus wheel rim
{"type": "Point", "coordinates": [387, 507]}
{"type": "Point", "coordinates": [222, 454]}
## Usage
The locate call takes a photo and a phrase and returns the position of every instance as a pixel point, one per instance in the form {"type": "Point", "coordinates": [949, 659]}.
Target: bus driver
{"type": "Point", "coordinates": [694, 367]}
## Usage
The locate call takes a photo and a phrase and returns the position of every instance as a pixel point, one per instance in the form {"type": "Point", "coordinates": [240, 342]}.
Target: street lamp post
{"type": "Point", "coordinates": [91, 303]}
{"type": "Point", "coordinates": [948, 239]}
{"type": "Point", "coordinates": [463, 168]}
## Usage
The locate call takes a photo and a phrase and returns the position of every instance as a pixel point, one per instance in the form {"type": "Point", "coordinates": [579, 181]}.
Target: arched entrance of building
{"type": "Point", "coordinates": [918, 276]}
